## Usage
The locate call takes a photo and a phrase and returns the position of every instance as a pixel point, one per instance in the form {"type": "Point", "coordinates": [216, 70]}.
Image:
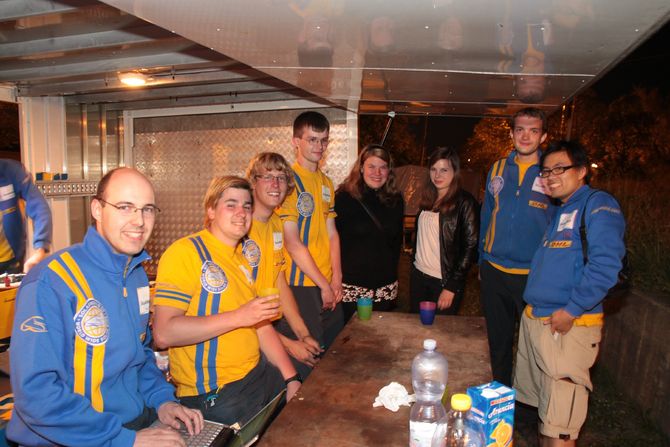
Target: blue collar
{"type": "Point", "coordinates": [102, 254]}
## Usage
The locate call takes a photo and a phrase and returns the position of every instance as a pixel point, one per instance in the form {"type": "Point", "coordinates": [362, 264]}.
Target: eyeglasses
{"type": "Point", "coordinates": [558, 170]}
{"type": "Point", "coordinates": [127, 209]}
{"type": "Point", "coordinates": [313, 141]}
{"type": "Point", "coordinates": [269, 178]}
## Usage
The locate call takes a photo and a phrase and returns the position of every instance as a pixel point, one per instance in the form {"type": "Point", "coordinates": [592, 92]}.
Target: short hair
{"type": "Point", "coordinates": [270, 161]}
{"type": "Point", "coordinates": [217, 187]}
{"type": "Point", "coordinates": [354, 184]}
{"type": "Point", "coordinates": [532, 112]}
{"type": "Point", "coordinates": [429, 194]}
{"type": "Point", "coordinates": [311, 119]}
{"type": "Point", "coordinates": [576, 152]}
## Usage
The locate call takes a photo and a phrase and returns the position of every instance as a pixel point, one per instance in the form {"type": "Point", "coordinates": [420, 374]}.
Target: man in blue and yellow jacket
{"type": "Point", "coordinates": [82, 369]}
{"type": "Point", "coordinates": [15, 184]}
{"type": "Point", "coordinates": [515, 213]}
{"type": "Point", "coordinates": [561, 326]}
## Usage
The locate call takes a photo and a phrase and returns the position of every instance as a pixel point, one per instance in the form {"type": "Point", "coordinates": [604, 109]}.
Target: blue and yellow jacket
{"type": "Point", "coordinates": [513, 217]}
{"type": "Point", "coordinates": [15, 184]}
{"type": "Point", "coordinates": [558, 278]}
{"type": "Point", "coordinates": [81, 362]}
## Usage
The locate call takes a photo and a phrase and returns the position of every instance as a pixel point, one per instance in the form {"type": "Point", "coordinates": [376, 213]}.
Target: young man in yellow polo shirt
{"type": "Point", "coordinates": [207, 312]}
{"type": "Point", "coordinates": [272, 178]}
{"type": "Point", "coordinates": [308, 215]}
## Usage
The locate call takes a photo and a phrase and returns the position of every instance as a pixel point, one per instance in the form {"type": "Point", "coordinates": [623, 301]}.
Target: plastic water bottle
{"type": "Point", "coordinates": [456, 429]}
{"type": "Point", "coordinates": [429, 379]}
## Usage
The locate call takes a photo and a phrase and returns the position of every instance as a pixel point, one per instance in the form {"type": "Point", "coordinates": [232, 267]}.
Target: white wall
{"type": "Point", "coordinates": [43, 149]}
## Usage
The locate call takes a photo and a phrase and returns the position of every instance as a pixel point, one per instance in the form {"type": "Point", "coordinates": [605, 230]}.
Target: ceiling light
{"type": "Point", "coordinates": [133, 79]}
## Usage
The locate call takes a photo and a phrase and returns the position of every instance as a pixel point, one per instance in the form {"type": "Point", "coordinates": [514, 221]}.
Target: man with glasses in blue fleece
{"type": "Point", "coordinates": [308, 216]}
{"type": "Point", "coordinates": [561, 325]}
{"type": "Point", "coordinates": [82, 369]}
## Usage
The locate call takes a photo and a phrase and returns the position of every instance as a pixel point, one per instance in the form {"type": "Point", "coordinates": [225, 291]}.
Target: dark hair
{"type": "Point", "coordinates": [532, 112]}
{"type": "Point", "coordinates": [354, 184]}
{"type": "Point", "coordinates": [429, 194]}
{"type": "Point", "coordinates": [574, 150]}
{"type": "Point", "coordinates": [311, 119]}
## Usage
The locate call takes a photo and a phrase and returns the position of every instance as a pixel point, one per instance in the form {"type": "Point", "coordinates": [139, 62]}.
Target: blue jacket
{"type": "Point", "coordinates": [513, 217]}
{"type": "Point", "coordinates": [81, 361]}
{"type": "Point", "coordinates": [15, 184]}
{"type": "Point", "coordinates": [558, 277]}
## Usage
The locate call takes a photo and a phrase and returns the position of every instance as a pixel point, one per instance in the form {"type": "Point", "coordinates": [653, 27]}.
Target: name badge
{"type": "Point", "coordinates": [143, 299]}
{"type": "Point", "coordinates": [7, 192]}
{"type": "Point", "coordinates": [567, 221]}
{"type": "Point", "coordinates": [278, 240]}
{"type": "Point", "coordinates": [538, 186]}
{"type": "Point", "coordinates": [325, 193]}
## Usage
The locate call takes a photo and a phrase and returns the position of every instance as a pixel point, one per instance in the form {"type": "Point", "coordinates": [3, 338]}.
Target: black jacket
{"type": "Point", "coordinates": [459, 233]}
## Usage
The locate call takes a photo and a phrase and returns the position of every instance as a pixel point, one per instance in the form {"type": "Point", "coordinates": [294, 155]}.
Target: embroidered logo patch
{"type": "Point", "coordinates": [213, 278]}
{"type": "Point", "coordinates": [560, 244]}
{"type": "Point", "coordinates": [536, 204]}
{"type": "Point", "coordinates": [91, 323]}
{"type": "Point", "coordinates": [496, 185]}
{"type": "Point", "coordinates": [305, 204]}
{"type": "Point", "coordinates": [34, 324]}
{"type": "Point", "coordinates": [252, 252]}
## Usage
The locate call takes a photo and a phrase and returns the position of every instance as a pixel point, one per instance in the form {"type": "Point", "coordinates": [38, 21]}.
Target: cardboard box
{"type": "Point", "coordinates": [493, 410]}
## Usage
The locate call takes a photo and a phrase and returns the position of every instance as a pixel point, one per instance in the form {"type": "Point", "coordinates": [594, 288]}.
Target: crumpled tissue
{"type": "Point", "coordinates": [392, 396]}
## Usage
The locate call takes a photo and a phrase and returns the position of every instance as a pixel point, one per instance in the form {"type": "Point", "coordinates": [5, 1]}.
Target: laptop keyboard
{"type": "Point", "coordinates": [212, 434]}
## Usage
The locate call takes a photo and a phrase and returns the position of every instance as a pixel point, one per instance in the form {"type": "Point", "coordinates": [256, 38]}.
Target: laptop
{"type": "Point", "coordinates": [215, 434]}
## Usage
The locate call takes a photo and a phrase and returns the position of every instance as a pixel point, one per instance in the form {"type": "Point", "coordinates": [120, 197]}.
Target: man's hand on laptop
{"type": "Point", "coordinates": [173, 415]}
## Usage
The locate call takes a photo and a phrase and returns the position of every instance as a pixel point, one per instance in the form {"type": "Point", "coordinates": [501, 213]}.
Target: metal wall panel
{"type": "Point", "coordinates": [181, 154]}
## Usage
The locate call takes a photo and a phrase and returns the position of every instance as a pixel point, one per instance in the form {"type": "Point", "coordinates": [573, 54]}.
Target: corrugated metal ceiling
{"type": "Point", "coordinates": [457, 57]}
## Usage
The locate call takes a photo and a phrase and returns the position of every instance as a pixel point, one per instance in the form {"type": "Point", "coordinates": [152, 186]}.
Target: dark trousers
{"type": "Point", "coordinates": [11, 267]}
{"type": "Point", "coordinates": [239, 401]}
{"type": "Point", "coordinates": [502, 302]}
{"type": "Point", "coordinates": [323, 325]}
{"type": "Point", "coordinates": [424, 287]}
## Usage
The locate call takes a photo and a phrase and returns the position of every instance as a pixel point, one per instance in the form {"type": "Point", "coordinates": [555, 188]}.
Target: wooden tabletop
{"type": "Point", "coordinates": [334, 405]}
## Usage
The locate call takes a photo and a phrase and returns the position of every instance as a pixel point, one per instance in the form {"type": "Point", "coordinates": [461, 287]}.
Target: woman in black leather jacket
{"type": "Point", "coordinates": [447, 228]}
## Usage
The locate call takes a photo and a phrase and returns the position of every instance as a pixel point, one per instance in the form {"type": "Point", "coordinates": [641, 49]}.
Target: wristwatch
{"type": "Point", "coordinates": [297, 377]}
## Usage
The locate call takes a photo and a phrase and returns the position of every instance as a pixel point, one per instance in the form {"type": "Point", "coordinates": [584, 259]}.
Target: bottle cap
{"type": "Point", "coordinates": [429, 344]}
{"type": "Point", "coordinates": [461, 402]}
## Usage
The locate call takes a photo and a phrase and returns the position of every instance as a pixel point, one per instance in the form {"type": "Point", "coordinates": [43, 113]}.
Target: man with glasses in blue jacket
{"type": "Point", "coordinates": [576, 264]}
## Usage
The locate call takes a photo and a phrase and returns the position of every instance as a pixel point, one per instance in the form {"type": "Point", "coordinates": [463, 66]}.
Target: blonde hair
{"type": "Point", "coordinates": [217, 187]}
{"type": "Point", "coordinates": [269, 161]}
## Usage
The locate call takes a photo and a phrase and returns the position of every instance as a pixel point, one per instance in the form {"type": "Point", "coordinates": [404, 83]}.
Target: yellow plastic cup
{"type": "Point", "coordinates": [272, 291]}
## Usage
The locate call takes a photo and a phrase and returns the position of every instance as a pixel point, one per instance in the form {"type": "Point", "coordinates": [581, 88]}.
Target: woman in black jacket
{"type": "Point", "coordinates": [447, 228]}
{"type": "Point", "coordinates": [369, 222]}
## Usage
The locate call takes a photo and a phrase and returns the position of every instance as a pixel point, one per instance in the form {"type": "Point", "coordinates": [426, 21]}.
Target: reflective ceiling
{"type": "Point", "coordinates": [455, 57]}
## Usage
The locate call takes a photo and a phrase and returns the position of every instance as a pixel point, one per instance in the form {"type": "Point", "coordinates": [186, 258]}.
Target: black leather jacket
{"type": "Point", "coordinates": [459, 235]}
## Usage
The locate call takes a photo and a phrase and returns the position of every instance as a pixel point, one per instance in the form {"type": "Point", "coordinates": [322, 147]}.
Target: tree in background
{"type": "Point", "coordinates": [405, 141]}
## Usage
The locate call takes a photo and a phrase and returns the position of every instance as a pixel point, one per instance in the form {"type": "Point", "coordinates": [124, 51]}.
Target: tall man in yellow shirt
{"type": "Point", "coordinates": [272, 178]}
{"type": "Point", "coordinates": [207, 312]}
{"type": "Point", "coordinates": [308, 215]}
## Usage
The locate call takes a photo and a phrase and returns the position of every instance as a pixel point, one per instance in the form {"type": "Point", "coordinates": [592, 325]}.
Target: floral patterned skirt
{"type": "Point", "coordinates": [350, 293]}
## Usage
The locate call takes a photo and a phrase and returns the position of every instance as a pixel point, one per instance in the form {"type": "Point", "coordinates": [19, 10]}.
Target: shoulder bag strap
{"type": "Point", "coordinates": [582, 229]}
{"type": "Point", "coordinates": [372, 216]}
